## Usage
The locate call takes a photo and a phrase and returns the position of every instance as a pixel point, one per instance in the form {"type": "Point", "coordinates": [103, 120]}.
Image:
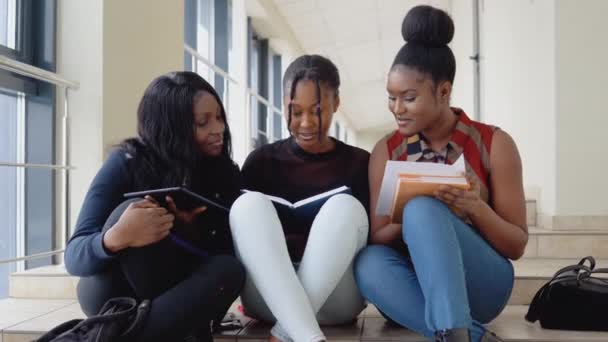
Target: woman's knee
{"type": "Point", "coordinates": [249, 203]}
{"type": "Point", "coordinates": [345, 208]}
{"type": "Point", "coordinates": [421, 215]}
{"type": "Point", "coordinates": [117, 213]}
{"type": "Point", "coordinates": [346, 215]}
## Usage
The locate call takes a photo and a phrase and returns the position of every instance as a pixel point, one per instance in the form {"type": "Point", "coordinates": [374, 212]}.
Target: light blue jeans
{"type": "Point", "coordinates": [452, 279]}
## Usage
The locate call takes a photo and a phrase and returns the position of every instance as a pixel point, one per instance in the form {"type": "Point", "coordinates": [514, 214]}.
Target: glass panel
{"type": "Point", "coordinates": [204, 37]}
{"type": "Point", "coordinates": [8, 23]}
{"type": "Point", "coordinates": [263, 118]}
{"type": "Point", "coordinates": [10, 191]}
{"type": "Point", "coordinates": [278, 126]}
{"type": "Point", "coordinates": [39, 218]}
{"type": "Point", "coordinates": [39, 200]}
{"type": "Point", "coordinates": [276, 87]}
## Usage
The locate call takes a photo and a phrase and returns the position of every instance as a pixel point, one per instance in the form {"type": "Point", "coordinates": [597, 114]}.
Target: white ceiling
{"type": "Point", "coordinates": [361, 37]}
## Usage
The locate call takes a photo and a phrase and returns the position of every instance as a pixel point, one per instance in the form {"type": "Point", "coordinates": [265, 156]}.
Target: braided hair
{"type": "Point", "coordinates": [315, 68]}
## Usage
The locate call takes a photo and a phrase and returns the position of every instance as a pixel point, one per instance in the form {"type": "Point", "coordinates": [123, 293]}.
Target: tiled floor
{"type": "Point", "coordinates": [24, 320]}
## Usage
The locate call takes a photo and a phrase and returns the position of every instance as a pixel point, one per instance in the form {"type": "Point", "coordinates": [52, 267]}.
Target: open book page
{"type": "Point", "coordinates": [303, 211]}
{"type": "Point", "coordinates": [394, 169]}
{"type": "Point", "coordinates": [329, 193]}
{"type": "Point", "coordinates": [308, 200]}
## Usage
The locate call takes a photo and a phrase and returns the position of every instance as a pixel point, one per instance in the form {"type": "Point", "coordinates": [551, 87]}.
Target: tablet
{"type": "Point", "coordinates": [184, 199]}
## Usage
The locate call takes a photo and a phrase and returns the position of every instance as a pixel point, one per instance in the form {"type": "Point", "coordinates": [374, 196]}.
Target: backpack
{"type": "Point", "coordinates": [575, 299]}
{"type": "Point", "coordinates": [120, 319]}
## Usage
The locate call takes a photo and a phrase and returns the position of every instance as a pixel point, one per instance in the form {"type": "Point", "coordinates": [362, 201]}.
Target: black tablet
{"type": "Point", "coordinates": [184, 199]}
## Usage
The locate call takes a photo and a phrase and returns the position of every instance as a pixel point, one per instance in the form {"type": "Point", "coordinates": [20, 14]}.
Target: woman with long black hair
{"type": "Point", "coordinates": [121, 248]}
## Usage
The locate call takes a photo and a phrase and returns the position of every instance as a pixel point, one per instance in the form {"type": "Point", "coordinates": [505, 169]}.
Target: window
{"type": "Point", "coordinates": [337, 131]}
{"type": "Point", "coordinates": [8, 23]}
{"type": "Point", "coordinates": [258, 83]}
{"type": "Point", "coordinates": [27, 136]}
{"type": "Point", "coordinates": [264, 79]}
{"type": "Point", "coordinates": [277, 98]}
{"type": "Point", "coordinates": [11, 182]}
{"type": "Point", "coordinates": [207, 29]}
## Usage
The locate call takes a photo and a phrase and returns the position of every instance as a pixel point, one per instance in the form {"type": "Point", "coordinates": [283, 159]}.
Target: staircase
{"type": "Point", "coordinates": [44, 297]}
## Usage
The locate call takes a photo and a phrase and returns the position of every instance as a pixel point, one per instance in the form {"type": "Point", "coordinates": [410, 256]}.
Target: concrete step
{"type": "Point", "coordinates": [566, 244]}
{"type": "Point", "coordinates": [27, 319]}
{"type": "Point", "coordinates": [52, 282]}
{"type": "Point", "coordinates": [531, 274]}
{"type": "Point", "coordinates": [48, 282]}
{"type": "Point", "coordinates": [531, 210]}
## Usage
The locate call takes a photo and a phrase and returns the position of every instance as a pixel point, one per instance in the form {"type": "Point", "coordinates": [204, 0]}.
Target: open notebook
{"type": "Point", "coordinates": [306, 209]}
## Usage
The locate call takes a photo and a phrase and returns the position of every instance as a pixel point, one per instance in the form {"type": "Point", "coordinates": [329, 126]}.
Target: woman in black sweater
{"type": "Point", "coordinates": [319, 242]}
{"type": "Point", "coordinates": [122, 248]}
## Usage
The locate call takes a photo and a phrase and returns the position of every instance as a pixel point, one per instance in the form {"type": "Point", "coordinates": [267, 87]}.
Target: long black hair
{"type": "Point", "coordinates": [428, 31]}
{"type": "Point", "coordinates": [315, 68]}
{"type": "Point", "coordinates": [165, 152]}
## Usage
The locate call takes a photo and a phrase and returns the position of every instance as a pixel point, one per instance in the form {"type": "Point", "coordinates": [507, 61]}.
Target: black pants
{"type": "Point", "coordinates": [187, 292]}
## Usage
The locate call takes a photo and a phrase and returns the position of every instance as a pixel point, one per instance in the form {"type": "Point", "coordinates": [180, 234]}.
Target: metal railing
{"type": "Point", "coordinates": [64, 166]}
{"type": "Point", "coordinates": [63, 84]}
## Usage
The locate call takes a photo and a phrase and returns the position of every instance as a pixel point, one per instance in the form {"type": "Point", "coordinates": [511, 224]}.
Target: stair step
{"type": "Point", "coordinates": [567, 244]}
{"type": "Point", "coordinates": [27, 319]}
{"type": "Point", "coordinates": [15, 313]}
{"type": "Point", "coordinates": [48, 282]}
{"type": "Point", "coordinates": [52, 282]}
{"type": "Point", "coordinates": [531, 209]}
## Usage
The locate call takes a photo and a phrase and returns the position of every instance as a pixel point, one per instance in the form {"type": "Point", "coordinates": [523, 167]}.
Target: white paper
{"type": "Point", "coordinates": [394, 168]}
{"type": "Point", "coordinates": [306, 200]}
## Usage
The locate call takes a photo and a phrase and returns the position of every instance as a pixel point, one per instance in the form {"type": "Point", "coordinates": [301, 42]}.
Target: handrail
{"type": "Point", "coordinates": [263, 100]}
{"type": "Point", "coordinates": [211, 66]}
{"type": "Point", "coordinates": [33, 256]}
{"type": "Point", "coordinates": [24, 69]}
{"type": "Point", "coordinates": [37, 166]}
{"type": "Point", "coordinates": [11, 65]}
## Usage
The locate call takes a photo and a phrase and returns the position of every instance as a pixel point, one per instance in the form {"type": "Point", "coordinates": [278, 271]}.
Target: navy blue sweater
{"type": "Point", "coordinates": [85, 254]}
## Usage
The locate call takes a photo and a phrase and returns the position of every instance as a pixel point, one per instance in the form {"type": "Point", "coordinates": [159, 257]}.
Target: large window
{"type": "Point", "coordinates": [27, 136]}
{"type": "Point", "coordinates": [207, 29]}
{"type": "Point", "coordinates": [264, 79]}
{"type": "Point", "coordinates": [8, 23]}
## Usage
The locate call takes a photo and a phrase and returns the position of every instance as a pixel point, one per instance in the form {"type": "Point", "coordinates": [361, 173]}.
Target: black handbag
{"type": "Point", "coordinates": [120, 319]}
{"type": "Point", "coordinates": [575, 299]}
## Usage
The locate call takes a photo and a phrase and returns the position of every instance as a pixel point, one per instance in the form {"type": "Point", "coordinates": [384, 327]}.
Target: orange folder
{"type": "Point", "coordinates": [411, 185]}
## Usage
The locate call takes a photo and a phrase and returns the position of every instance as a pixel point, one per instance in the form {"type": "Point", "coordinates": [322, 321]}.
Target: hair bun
{"type": "Point", "coordinates": [426, 25]}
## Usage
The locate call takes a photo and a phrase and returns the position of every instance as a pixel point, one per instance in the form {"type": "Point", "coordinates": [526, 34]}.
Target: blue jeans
{"type": "Point", "coordinates": [452, 279]}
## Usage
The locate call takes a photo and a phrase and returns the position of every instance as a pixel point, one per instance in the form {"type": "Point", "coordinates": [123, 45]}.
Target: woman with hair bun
{"type": "Point", "coordinates": [442, 273]}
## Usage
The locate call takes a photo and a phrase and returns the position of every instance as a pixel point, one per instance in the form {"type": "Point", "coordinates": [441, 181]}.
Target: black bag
{"type": "Point", "coordinates": [120, 319]}
{"type": "Point", "coordinates": [575, 299]}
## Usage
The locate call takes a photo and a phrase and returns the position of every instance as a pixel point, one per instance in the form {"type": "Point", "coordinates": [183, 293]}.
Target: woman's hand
{"type": "Point", "coordinates": [142, 223]}
{"type": "Point", "coordinates": [464, 201]}
{"type": "Point", "coordinates": [186, 217]}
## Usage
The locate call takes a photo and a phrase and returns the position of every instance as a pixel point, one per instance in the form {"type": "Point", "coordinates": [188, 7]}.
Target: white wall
{"type": "Point", "coordinates": [114, 49]}
{"type": "Point", "coordinates": [368, 139]}
{"type": "Point", "coordinates": [462, 47]}
{"type": "Point", "coordinates": [236, 108]}
{"type": "Point", "coordinates": [142, 39]}
{"type": "Point", "coordinates": [79, 58]}
{"type": "Point", "coordinates": [517, 81]}
{"type": "Point", "coordinates": [582, 119]}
